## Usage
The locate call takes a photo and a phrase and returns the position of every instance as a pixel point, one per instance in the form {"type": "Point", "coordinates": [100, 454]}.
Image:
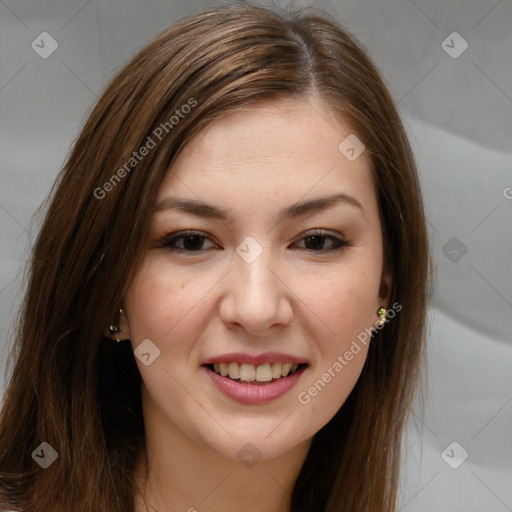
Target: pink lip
{"type": "Point", "coordinates": [267, 357]}
{"type": "Point", "coordinates": [253, 394]}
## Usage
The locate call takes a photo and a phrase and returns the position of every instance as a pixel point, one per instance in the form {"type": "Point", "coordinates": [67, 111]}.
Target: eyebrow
{"type": "Point", "coordinates": [201, 209]}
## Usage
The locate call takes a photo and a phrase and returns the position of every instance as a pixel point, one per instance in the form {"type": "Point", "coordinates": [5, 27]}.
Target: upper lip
{"type": "Point", "coordinates": [256, 360]}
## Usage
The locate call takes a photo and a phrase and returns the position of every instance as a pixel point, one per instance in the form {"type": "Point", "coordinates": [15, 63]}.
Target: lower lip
{"type": "Point", "coordinates": [253, 394]}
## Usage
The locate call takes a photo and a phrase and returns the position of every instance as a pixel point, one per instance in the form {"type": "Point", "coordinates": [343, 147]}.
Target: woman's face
{"type": "Point", "coordinates": [251, 284]}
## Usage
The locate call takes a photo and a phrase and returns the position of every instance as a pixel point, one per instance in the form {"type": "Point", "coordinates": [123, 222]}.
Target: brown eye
{"type": "Point", "coordinates": [188, 241]}
{"type": "Point", "coordinates": [315, 242]}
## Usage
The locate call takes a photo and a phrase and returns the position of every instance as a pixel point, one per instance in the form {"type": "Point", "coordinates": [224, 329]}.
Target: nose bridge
{"type": "Point", "coordinates": [256, 298]}
{"type": "Point", "coordinates": [258, 280]}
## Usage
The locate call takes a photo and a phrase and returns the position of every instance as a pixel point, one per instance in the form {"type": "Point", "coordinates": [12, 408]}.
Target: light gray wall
{"type": "Point", "coordinates": [458, 112]}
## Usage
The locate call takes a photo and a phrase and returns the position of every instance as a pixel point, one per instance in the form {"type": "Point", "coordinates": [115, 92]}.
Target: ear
{"type": "Point", "coordinates": [386, 283]}
{"type": "Point", "coordinates": [124, 328]}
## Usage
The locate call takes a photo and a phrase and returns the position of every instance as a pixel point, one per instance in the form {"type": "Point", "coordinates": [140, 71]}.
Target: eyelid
{"type": "Point", "coordinates": [167, 240]}
{"type": "Point", "coordinates": [338, 241]}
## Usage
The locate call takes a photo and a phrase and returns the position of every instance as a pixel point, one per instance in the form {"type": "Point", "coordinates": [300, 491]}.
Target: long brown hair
{"type": "Point", "coordinates": [79, 392]}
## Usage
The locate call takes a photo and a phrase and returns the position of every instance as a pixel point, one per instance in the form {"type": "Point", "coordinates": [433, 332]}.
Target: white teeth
{"type": "Point", "coordinates": [264, 373]}
{"type": "Point", "coordinates": [234, 370]}
{"type": "Point", "coordinates": [286, 369]}
{"type": "Point", "coordinates": [276, 370]}
{"type": "Point", "coordinates": [249, 373]}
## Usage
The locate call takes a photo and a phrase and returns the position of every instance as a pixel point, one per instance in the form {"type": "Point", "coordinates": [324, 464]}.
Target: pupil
{"type": "Point", "coordinates": [192, 246]}
{"type": "Point", "coordinates": [317, 239]}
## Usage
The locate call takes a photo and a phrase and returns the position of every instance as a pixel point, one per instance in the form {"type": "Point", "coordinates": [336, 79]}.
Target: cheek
{"type": "Point", "coordinates": [159, 300]}
{"type": "Point", "coordinates": [340, 356]}
{"type": "Point", "coordinates": [344, 309]}
{"type": "Point", "coordinates": [343, 301]}
{"type": "Point", "coordinates": [329, 386]}
{"type": "Point", "coordinates": [164, 306]}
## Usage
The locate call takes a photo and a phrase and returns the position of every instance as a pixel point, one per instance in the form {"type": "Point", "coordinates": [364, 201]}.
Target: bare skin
{"type": "Point", "coordinates": [297, 297]}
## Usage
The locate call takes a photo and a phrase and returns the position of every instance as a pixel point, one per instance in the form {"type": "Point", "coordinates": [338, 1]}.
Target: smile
{"type": "Point", "coordinates": [250, 390]}
{"type": "Point", "coordinates": [246, 372]}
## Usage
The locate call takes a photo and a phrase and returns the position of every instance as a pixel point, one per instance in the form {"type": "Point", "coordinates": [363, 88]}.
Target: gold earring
{"type": "Point", "coordinates": [382, 313]}
{"type": "Point", "coordinates": [114, 329]}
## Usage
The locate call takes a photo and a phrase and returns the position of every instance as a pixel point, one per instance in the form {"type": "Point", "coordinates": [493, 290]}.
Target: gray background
{"type": "Point", "coordinates": [458, 112]}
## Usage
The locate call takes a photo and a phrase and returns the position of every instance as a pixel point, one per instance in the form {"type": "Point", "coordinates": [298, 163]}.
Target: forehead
{"type": "Point", "coordinates": [277, 151]}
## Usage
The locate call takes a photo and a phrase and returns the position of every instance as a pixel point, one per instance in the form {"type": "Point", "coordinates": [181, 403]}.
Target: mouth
{"type": "Point", "coordinates": [250, 374]}
{"type": "Point", "coordinates": [254, 385]}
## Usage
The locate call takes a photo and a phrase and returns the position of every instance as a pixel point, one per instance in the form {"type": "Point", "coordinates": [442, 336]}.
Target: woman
{"type": "Point", "coordinates": [186, 342]}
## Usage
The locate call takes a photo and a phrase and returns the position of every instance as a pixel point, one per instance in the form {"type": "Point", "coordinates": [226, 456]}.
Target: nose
{"type": "Point", "coordinates": [257, 296]}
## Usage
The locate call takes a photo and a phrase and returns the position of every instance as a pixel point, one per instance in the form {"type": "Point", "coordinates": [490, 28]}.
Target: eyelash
{"type": "Point", "coordinates": [169, 241]}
